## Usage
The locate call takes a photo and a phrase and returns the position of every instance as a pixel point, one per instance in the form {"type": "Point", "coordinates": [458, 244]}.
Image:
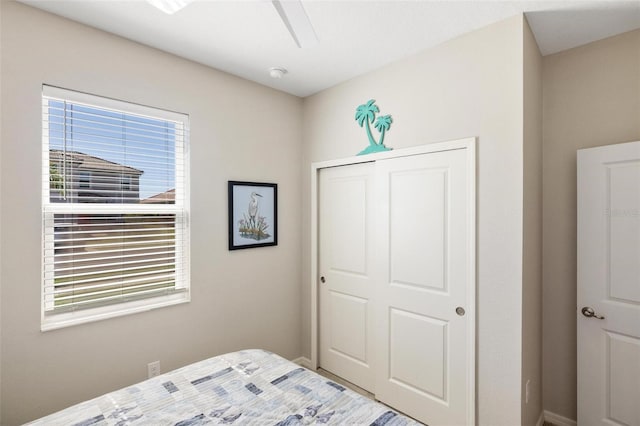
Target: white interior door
{"type": "Point", "coordinates": [425, 350]}
{"type": "Point", "coordinates": [609, 285]}
{"type": "Point", "coordinates": [345, 266]}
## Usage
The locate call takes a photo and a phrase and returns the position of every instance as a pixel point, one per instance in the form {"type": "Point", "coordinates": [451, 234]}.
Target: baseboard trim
{"type": "Point", "coordinates": [302, 361]}
{"type": "Point", "coordinates": [540, 421]}
{"type": "Point", "coordinates": [558, 420]}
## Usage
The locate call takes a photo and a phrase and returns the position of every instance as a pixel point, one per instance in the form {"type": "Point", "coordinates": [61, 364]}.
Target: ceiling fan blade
{"type": "Point", "coordinates": [297, 22]}
{"type": "Point", "coordinates": [169, 6]}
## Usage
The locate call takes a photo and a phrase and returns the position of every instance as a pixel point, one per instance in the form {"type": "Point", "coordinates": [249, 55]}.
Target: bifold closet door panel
{"type": "Point", "coordinates": [346, 285]}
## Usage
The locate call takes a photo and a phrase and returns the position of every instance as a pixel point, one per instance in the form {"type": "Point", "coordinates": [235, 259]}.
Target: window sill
{"type": "Point", "coordinates": [53, 321]}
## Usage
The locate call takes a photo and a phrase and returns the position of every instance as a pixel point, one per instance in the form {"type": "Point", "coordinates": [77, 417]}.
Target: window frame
{"type": "Point", "coordinates": [51, 319]}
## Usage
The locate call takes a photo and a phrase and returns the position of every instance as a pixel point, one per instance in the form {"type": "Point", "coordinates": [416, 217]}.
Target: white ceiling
{"type": "Point", "coordinates": [246, 38]}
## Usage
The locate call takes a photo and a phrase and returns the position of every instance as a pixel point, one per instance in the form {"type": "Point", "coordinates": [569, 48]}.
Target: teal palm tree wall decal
{"type": "Point", "coordinates": [365, 116]}
{"type": "Point", "coordinates": [383, 124]}
{"type": "Point", "coordinates": [366, 113]}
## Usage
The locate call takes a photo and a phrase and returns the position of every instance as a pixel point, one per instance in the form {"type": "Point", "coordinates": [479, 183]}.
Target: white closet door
{"type": "Point", "coordinates": [345, 266]}
{"type": "Point", "coordinates": [423, 233]}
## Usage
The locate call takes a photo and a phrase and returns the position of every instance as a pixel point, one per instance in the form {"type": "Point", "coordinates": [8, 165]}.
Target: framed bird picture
{"type": "Point", "coordinates": [253, 214]}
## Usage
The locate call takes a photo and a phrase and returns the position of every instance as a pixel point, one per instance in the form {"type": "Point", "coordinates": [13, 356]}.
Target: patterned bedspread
{"type": "Point", "coordinates": [252, 387]}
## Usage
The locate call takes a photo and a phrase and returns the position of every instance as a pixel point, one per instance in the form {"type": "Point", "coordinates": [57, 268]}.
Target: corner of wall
{"type": "Point", "coordinates": [468, 72]}
{"type": "Point", "coordinates": [590, 99]}
{"type": "Point", "coordinates": [219, 278]}
{"type": "Point", "coordinates": [532, 230]}
{"type": "Point", "coordinates": [1, 6]}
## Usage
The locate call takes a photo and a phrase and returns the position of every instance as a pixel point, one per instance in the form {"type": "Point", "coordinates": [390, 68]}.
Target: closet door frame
{"type": "Point", "coordinates": [468, 144]}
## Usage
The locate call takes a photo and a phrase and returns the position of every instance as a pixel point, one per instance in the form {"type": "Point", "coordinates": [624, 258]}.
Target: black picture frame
{"type": "Point", "coordinates": [253, 214]}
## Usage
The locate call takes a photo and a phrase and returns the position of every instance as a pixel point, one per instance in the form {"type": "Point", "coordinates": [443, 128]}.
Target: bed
{"type": "Point", "coordinates": [246, 387]}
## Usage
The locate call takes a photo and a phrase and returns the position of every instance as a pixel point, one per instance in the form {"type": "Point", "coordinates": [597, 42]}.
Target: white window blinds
{"type": "Point", "coordinates": [115, 205]}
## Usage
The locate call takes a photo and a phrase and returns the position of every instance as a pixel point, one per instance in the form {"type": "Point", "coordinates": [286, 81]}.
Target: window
{"type": "Point", "coordinates": [114, 206]}
{"type": "Point", "coordinates": [84, 179]}
{"type": "Point", "coordinates": [125, 181]}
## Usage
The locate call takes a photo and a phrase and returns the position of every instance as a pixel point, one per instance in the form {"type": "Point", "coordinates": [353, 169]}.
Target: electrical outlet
{"type": "Point", "coordinates": [153, 368]}
{"type": "Point", "coordinates": [526, 392]}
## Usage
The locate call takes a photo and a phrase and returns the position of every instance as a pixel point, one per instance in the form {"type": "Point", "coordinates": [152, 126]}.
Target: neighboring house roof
{"type": "Point", "coordinates": [91, 163]}
{"type": "Point", "coordinates": [162, 197]}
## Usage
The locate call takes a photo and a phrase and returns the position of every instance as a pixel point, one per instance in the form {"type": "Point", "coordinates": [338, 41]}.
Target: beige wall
{"type": "Point", "coordinates": [532, 248]}
{"type": "Point", "coordinates": [470, 86]}
{"type": "Point", "coordinates": [0, 217]}
{"type": "Point", "coordinates": [240, 299]}
{"type": "Point", "coordinates": [591, 98]}
{"type": "Point", "coordinates": [484, 84]}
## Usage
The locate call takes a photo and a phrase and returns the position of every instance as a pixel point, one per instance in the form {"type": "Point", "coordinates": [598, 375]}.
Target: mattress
{"type": "Point", "coordinates": [253, 387]}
